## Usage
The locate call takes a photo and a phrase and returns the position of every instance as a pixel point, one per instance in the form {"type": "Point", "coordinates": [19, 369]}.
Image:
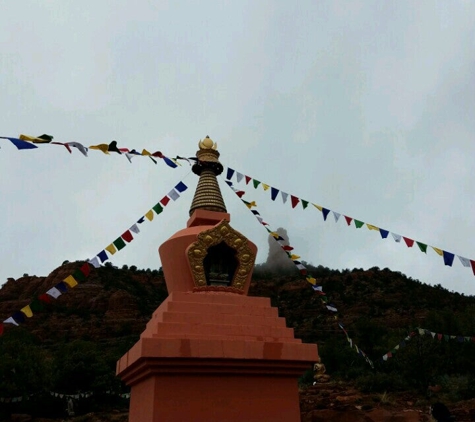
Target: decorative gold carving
{"type": "Point", "coordinates": [197, 251]}
{"type": "Point", "coordinates": [228, 289]}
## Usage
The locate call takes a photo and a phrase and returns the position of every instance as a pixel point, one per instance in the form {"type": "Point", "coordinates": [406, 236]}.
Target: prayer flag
{"type": "Point", "coordinates": [19, 317]}
{"type": "Point", "coordinates": [273, 193]}
{"type": "Point", "coordinates": [336, 215]}
{"type": "Point", "coordinates": [173, 194]}
{"type": "Point", "coordinates": [248, 179]}
{"type": "Point", "coordinates": [422, 247]}
{"type": "Point", "coordinates": [45, 298]}
{"type": "Point", "coordinates": [181, 187]}
{"type": "Point", "coordinates": [149, 215]}
{"type": "Point", "coordinates": [134, 228]}
{"type": "Point", "coordinates": [358, 224]}
{"type": "Point", "coordinates": [439, 251]}
{"type": "Point", "coordinates": [157, 208]}
{"type": "Point", "coordinates": [239, 177]}
{"type": "Point", "coordinates": [397, 237]}
{"type": "Point", "coordinates": [318, 207]}
{"type": "Point", "coordinates": [64, 145]}
{"type": "Point", "coordinates": [20, 144]}
{"type": "Point", "coordinates": [229, 173]}
{"type": "Point", "coordinates": [318, 288]}
{"type": "Point", "coordinates": [113, 147]}
{"type": "Point", "coordinates": [371, 227]}
{"type": "Point", "coordinates": [284, 196]}
{"type": "Point", "coordinates": [10, 321]}
{"type": "Point", "coordinates": [70, 281]}
{"type": "Point", "coordinates": [85, 269]}
{"type": "Point", "coordinates": [82, 149]}
{"type": "Point", "coordinates": [165, 200]}
{"type": "Point", "coordinates": [79, 275]}
{"type": "Point", "coordinates": [61, 286]}
{"type": "Point", "coordinates": [384, 233]}
{"type": "Point", "coordinates": [348, 220]}
{"type": "Point", "coordinates": [325, 213]}
{"type": "Point", "coordinates": [141, 220]}
{"type": "Point", "coordinates": [255, 183]}
{"type": "Point", "coordinates": [311, 280]}
{"type": "Point", "coordinates": [409, 242]}
{"type": "Point", "coordinates": [95, 262]}
{"type": "Point", "coordinates": [448, 258]}
{"type": "Point", "coordinates": [119, 243]}
{"type": "Point", "coordinates": [27, 311]}
{"type": "Point", "coordinates": [101, 147]}
{"type": "Point", "coordinates": [36, 305]}
{"type": "Point", "coordinates": [1, 328]}
{"type": "Point", "coordinates": [111, 249]}
{"type": "Point", "coordinates": [103, 256]}
{"type": "Point", "coordinates": [294, 200]}
{"type": "Point", "coordinates": [266, 187]}
{"type": "Point", "coordinates": [170, 163]}
{"type": "Point", "coordinates": [42, 139]}
{"type": "Point", "coordinates": [331, 308]}
{"type": "Point", "coordinates": [465, 261]}
{"type": "Point", "coordinates": [127, 236]}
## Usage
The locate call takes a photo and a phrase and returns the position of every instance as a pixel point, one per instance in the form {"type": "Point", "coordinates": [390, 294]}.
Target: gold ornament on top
{"type": "Point", "coordinates": [197, 251]}
{"type": "Point", "coordinates": [207, 143]}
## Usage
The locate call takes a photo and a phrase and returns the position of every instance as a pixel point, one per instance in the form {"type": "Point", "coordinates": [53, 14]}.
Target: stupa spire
{"type": "Point", "coordinates": [207, 195]}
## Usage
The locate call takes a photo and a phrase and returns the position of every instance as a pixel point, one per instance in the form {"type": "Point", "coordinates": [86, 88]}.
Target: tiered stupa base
{"type": "Point", "coordinates": [216, 357]}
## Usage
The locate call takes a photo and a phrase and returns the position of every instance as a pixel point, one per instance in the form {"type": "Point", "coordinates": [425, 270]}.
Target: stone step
{"type": "Point", "coordinates": [219, 297]}
{"type": "Point", "coordinates": [226, 338]}
{"type": "Point", "coordinates": [222, 319]}
{"type": "Point", "coordinates": [219, 308]}
{"type": "Point", "coordinates": [218, 329]}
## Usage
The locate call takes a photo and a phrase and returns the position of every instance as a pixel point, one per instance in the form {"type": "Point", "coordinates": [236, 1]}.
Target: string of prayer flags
{"type": "Point", "coordinates": [353, 345]}
{"type": "Point", "coordinates": [286, 248]}
{"type": "Point", "coordinates": [80, 274]}
{"type": "Point", "coordinates": [30, 142]}
{"type": "Point", "coordinates": [448, 257]}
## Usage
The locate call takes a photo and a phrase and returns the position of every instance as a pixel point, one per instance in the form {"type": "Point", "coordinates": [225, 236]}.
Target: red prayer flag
{"type": "Point", "coordinates": [303, 272]}
{"type": "Point", "coordinates": [287, 248]}
{"type": "Point", "coordinates": [1, 328]}
{"type": "Point", "coordinates": [240, 193]}
{"type": "Point", "coordinates": [294, 200]}
{"type": "Point", "coordinates": [85, 269]}
{"type": "Point", "coordinates": [45, 298]}
{"type": "Point", "coordinates": [472, 262]}
{"type": "Point", "coordinates": [439, 336]}
{"type": "Point", "coordinates": [248, 179]}
{"type": "Point", "coordinates": [165, 200]}
{"type": "Point", "coordinates": [409, 242]}
{"type": "Point", "coordinates": [127, 236]}
{"type": "Point", "coordinates": [390, 355]}
{"type": "Point", "coordinates": [348, 220]}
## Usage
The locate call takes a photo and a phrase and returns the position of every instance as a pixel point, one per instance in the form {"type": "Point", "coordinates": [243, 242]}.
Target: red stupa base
{"type": "Point", "coordinates": [215, 356]}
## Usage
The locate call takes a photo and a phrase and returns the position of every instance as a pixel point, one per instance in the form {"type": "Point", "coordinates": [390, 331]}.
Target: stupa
{"type": "Point", "coordinates": [210, 352]}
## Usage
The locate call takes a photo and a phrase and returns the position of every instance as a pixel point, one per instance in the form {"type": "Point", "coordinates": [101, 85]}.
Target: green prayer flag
{"type": "Point", "coordinates": [359, 224]}
{"type": "Point", "coordinates": [255, 183]}
{"type": "Point", "coordinates": [36, 305]}
{"type": "Point", "coordinates": [446, 337]}
{"type": "Point", "coordinates": [304, 203]}
{"type": "Point", "coordinates": [422, 246]}
{"type": "Point", "coordinates": [119, 243]}
{"type": "Point", "coordinates": [158, 208]}
{"type": "Point", "coordinates": [79, 276]}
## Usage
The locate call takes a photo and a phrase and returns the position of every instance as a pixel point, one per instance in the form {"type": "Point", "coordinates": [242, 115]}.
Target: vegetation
{"type": "Point", "coordinates": [378, 308]}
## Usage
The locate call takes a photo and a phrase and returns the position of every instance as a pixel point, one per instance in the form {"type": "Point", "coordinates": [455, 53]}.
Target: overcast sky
{"type": "Point", "coordinates": [365, 108]}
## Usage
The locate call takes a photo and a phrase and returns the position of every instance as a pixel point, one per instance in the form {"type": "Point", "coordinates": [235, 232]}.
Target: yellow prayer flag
{"type": "Point", "coordinates": [265, 186]}
{"type": "Point", "coordinates": [111, 249]}
{"type": "Point", "coordinates": [149, 215]}
{"type": "Point", "coordinates": [439, 251]}
{"type": "Point", "coordinates": [275, 234]}
{"type": "Point", "coordinates": [101, 147]}
{"type": "Point", "coordinates": [27, 311]}
{"type": "Point", "coordinates": [251, 204]}
{"type": "Point", "coordinates": [145, 152]}
{"type": "Point", "coordinates": [294, 257]}
{"type": "Point", "coordinates": [317, 206]}
{"type": "Point", "coordinates": [312, 280]}
{"type": "Point", "coordinates": [371, 227]}
{"type": "Point", "coordinates": [34, 139]}
{"type": "Point", "coordinates": [70, 281]}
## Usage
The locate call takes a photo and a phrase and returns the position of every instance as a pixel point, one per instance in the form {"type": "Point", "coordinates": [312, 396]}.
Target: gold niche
{"type": "Point", "coordinates": [232, 241]}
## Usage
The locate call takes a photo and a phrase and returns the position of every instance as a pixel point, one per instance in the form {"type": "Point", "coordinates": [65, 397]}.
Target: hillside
{"type": "Point", "coordinates": [71, 346]}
